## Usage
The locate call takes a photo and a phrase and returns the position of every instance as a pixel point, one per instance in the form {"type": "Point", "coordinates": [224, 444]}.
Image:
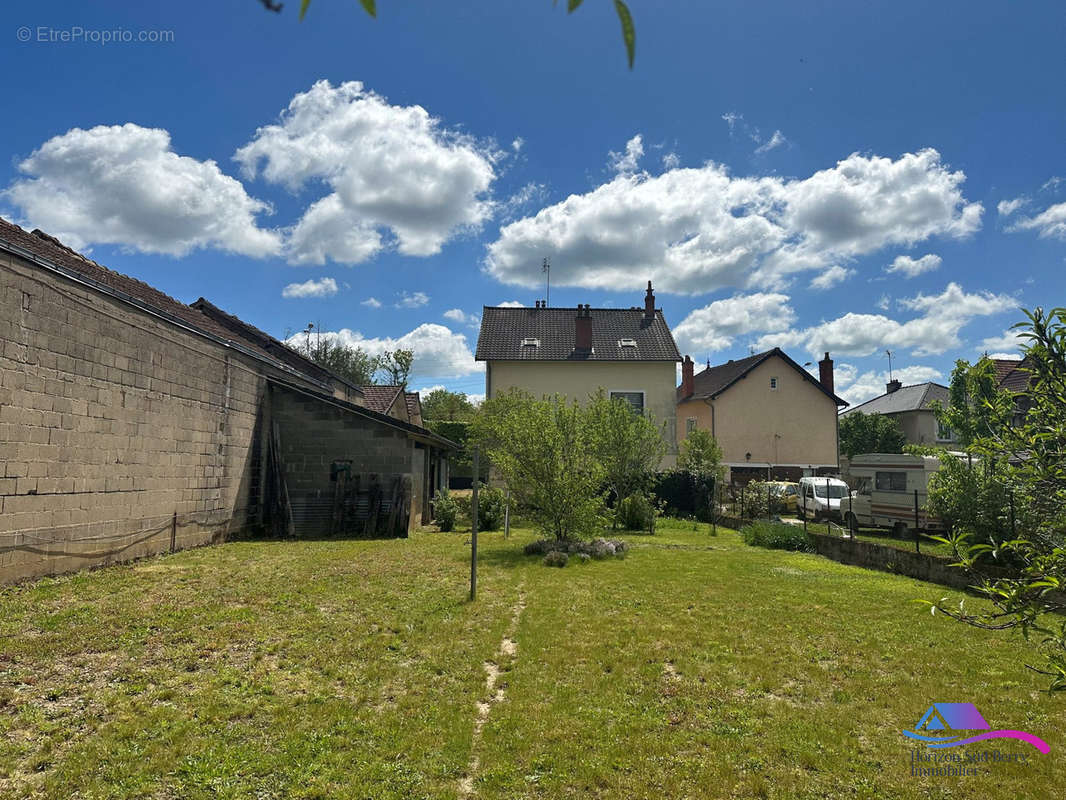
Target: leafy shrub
{"type": "Point", "coordinates": [776, 536]}
{"type": "Point", "coordinates": [752, 501]}
{"type": "Point", "coordinates": [446, 510]}
{"type": "Point", "coordinates": [597, 548]}
{"type": "Point", "coordinates": [637, 513]}
{"type": "Point", "coordinates": [491, 507]}
{"type": "Point", "coordinates": [556, 558]}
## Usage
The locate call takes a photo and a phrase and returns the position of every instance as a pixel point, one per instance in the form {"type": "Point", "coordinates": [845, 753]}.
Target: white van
{"type": "Point", "coordinates": [888, 486]}
{"type": "Point", "coordinates": [820, 497]}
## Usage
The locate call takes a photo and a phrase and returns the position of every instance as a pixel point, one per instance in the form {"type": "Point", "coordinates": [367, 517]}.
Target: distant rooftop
{"type": "Point", "coordinates": [917, 397]}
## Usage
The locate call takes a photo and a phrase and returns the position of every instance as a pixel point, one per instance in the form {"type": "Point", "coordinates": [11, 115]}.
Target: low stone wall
{"type": "Point", "coordinates": [922, 566]}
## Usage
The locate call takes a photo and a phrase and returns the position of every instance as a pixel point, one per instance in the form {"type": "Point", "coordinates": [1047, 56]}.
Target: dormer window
{"type": "Point", "coordinates": [529, 341]}
{"type": "Point", "coordinates": [627, 343]}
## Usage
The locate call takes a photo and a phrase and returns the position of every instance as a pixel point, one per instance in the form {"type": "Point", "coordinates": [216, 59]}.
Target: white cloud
{"type": "Point", "coordinates": [415, 300]}
{"type": "Point", "coordinates": [872, 384]}
{"type": "Point", "coordinates": [695, 230]}
{"type": "Point", "coordinates": [326, 287]}
{"type": "Point", "coordinates": [775, 141]}
{"type": "Point", "coordinates": [510, 304]}
{"type": "Point", "coordinates": [1008, 207]}
{"type": "Point", "coordinates": [1009, 341]}
{"type": "Point", "coordinates": [671, 161]}
{"type": "Point", "coordinates": [830, 278]}
{"type": "Point", "coordinates": [884, 302]}
{"type": "Point", "coordinates": [124, 185]}
{"type": "Point", "coordinates": [935, 331]}
{"type": "Point", "coordinates": [460, 316]}
{"type": "Point", "coordinates": [910, 267]}
{"type": "Point", "coordinates": [1050, 223]}
{"type": "Point", "coordinates": [371, 302]}
{"type": "Point", "coordinates": [530, 194]}
{"type": "Point", "coordinates": [518, 143]}
{"type": "Point", "coordinates": [628, 162]}
{"type": "Point", "coordinates": [439, 352]}
{"type": "Point", "coordinates": [389, 168]}
{"type": "Point", "coordinates": [731, 118]}
{"type": "Point", "coordinates": [716, 326]}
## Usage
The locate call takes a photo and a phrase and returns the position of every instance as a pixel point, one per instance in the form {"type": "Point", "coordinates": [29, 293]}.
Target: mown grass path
{"type": "Point", "coordinates": [697, 667]}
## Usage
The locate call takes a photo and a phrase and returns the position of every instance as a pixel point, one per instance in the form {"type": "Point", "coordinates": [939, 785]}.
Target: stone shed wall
{"type": "Point", "coordinates": [121, 435]}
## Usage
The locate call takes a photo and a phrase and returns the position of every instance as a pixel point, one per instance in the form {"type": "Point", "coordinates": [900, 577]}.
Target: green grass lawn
{"type": "Point", "coordinates": [696, 667]}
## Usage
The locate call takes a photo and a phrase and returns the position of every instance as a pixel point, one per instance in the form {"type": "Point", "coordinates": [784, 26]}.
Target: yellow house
{"type": "Point", "coordinates": [628, 352]}
{"type": "Point", "coordinates": [769, 415]}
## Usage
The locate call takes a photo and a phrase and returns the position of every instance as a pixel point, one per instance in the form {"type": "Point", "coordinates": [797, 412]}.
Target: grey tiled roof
{"type": "Point", "coordinates": [715, 380]}
{"type": "Point", "coordinates": [918, 397]}
{"type": "Point", "coordinates": [503, 329]}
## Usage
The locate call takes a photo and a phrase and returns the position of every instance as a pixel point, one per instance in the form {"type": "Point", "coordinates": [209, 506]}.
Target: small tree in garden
{"type": "Point", "coordinates": [1028, 462]}
{"type": "Point", "coordinates": [628, 445]}
{"type": "Point", "coordinates": [701, 457]}
{"type": "Point", "coordinates": [870, 433]}
{"type": "Point", "coordinates": [542, 449]}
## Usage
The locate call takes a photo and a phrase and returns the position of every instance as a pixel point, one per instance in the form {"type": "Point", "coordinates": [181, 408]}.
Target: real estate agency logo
{"type": "Point", "coordinates": [950, 725]}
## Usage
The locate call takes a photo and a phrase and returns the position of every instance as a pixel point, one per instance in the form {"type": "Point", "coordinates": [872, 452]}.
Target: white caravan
{"type": "Point", "coordinates": [888, 488]}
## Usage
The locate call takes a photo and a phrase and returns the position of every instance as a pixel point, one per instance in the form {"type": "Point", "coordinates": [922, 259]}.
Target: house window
{"type": "Point", "coordinates": [944, 433]}
{"type": "Point", "coordinates": [690, 425]}
{"type": "Point", "coordinates": [773, 384]}
{"type": "Point", "coordinates": [627, 342]}
{"type": "Point", "coordinates": [530, 342]}
{"type": "Point", "coordinates": [890, 481]}
{"type": "Point", "coordinates": [635, 400]}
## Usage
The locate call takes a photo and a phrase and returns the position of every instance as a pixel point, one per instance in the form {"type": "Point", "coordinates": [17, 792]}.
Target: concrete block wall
{"type": "Point", "coordinates": [314, 434]}
{"type": "Point", "coordinates": [114, 425]}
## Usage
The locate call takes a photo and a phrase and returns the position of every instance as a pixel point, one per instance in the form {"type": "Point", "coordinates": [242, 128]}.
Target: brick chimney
{"type": "Point", "coordinates": [583, 329]}
{"type": "Point", "coordinates": [649, 304]}
{"type": "Point", "coordinates": [688, 385]}
{"type": "Point", "coordinates": [893, 386]}
{"type": "Point", "coordinates": [825, 373]}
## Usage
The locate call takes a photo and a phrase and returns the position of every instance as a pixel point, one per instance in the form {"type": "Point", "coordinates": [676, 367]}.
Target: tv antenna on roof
{"type": "Point", "coordinates": [889, 354]}
{"type": "Point", "coordinates": [546, 268]}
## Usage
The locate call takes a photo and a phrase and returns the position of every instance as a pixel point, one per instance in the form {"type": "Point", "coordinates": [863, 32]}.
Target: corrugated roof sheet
{"type": "Point", "coordinates": [917, 397]}
{"type": "Point", "coordinates": [503, 329]}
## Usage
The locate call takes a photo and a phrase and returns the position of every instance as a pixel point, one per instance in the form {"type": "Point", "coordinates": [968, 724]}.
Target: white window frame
{"type": "Point", "coordinates": [641, 392]}
{"type": "Point", "coordinates": [691, 424]}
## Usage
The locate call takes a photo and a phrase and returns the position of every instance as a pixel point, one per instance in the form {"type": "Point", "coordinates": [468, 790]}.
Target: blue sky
{"type": "Point", "coordinates": [766, 164]}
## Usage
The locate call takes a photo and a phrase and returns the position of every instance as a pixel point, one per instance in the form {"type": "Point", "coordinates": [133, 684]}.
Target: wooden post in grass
{"type": "Point", "coordinates": [917, 530]}
{"type": "Point", "coordinates": [473, 529]}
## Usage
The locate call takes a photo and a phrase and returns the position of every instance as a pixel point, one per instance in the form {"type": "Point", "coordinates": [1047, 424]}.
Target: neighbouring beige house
{"type": "Point", "coordinates": [628, 352]}
{"type": "Point", "coordinates": [770, 416]}
{"type": "Point", "coordinates": [912, 407]}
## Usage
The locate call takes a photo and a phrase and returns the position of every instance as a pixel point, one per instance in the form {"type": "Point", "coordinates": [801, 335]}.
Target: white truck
{"type": "Point", "coordinates": [887, 490]}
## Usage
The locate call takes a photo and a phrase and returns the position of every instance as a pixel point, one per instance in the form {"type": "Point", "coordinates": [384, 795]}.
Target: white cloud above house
{"type": "Point", "coordinates": [1009, 342]}
{"type": "Point", "coordinates": [440, 353]}
{"type": "Point", "coordinates": [325, 287]}
{"type": "Point", "coordinates": [125, 185]}
{"type": "Point", "coordinates": [718, 325]}
{"type": "Point", "coordinates": [934, 330]}
{"type": "Point", "coordinates": [412, 300]}
{"type": "Point", "coordinates": [830, 278]}
{"type": "Point", "coordinates": [910, 267]}
{"type": "Point", "coordinates": [371, 302]}
{"type": "Point", "coordinates": [395, 174]}
{"type": "Point", "coordinates": [776, 140]}
{"type": "Point", "coordinates": [696, 230]}
{"type": "Point", "coordinates": [627, 162]}
{"type": "Point", "coordinates": [1049, 224]}
{"type": "Point", "coordinates": [1007, 207]}
{"type": "Point", "coordinates": [460, 316]}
